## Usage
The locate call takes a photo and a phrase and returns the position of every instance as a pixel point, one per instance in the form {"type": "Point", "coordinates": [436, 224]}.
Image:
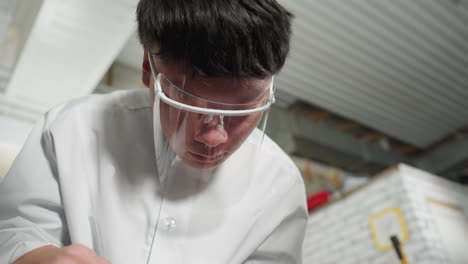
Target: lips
{"type": "Point", "coordinates": [206, 158]}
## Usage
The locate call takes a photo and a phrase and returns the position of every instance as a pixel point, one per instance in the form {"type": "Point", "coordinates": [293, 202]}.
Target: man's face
{"type": "Point", "coordinates": [198, 141]}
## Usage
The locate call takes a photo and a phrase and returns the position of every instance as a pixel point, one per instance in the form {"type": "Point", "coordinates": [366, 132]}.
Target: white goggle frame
{"type": "Point", "coordinates": [208, 111]}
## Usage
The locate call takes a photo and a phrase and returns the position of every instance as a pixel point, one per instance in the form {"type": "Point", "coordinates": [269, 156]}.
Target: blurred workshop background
{"type": "Point", "coordinates": [372, 105]}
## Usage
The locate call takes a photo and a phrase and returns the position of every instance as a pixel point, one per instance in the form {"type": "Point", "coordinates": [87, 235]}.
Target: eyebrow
{"type": "Point", "coordinates": [246, 99]}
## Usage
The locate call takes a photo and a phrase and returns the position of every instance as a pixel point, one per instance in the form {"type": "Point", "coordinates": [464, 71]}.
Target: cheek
{"type": "Point", "coordinates": [238, 131]}
{"type": "Point", "coordinates": [164, 116]}
{"type": "Point", "coordinates": [171, 120]}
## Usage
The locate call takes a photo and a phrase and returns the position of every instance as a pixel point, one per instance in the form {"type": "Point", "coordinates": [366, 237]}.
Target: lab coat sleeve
{"type": "Point", "coordinates": [285, 219]}
{"type": "Point", "coordinates": [31, 212]}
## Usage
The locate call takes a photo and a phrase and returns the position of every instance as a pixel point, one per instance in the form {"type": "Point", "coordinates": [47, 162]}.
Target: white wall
{"type": "Point", "coordinates": [440, 208]}
{"type": "Point", "coordinates": [340, 232]}
{"type": "Point", "coordinates": [122, 77]}
{"type": "Point", "coordinates": [74, 42]}
{"type": "Point", "coordinates": [13, 134]}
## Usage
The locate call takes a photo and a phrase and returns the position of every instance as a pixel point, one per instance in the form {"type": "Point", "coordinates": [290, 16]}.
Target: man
{"type": "Point", "coordinates": [180, 176]}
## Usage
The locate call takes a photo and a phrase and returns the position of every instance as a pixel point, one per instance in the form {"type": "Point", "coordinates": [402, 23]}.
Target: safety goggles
{"type": "Point", "coordinates": [182, 98]}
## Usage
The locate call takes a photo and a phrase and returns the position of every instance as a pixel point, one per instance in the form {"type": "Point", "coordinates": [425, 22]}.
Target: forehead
{"type": "Point", "coordinates": [182, 75]}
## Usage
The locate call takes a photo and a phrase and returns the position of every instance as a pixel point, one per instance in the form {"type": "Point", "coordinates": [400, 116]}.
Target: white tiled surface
{"type": "Point", "coordinates": [340, 232]}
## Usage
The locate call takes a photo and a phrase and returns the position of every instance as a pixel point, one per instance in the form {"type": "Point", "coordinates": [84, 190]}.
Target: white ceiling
{"type": "Point", "coordinates": [70, 48]}
{"type": "Point", "coordinates": [397, 66]}
{"type": "Point", "coordinates": [6, 8]}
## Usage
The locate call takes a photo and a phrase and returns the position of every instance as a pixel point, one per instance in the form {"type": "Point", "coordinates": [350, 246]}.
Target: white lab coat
{"type": "Point", "coordinates": [87, 175]}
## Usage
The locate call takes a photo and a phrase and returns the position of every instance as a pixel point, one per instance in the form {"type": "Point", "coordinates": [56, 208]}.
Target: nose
{"type": "Point", "coordinates": [211, 132]}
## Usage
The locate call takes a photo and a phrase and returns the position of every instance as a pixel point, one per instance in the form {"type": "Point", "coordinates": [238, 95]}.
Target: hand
{"type": "Point", "coordinates": [73, 254]}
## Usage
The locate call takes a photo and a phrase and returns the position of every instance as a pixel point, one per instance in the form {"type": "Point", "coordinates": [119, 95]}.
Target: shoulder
{"type": "Point", "coordinates": [270, 151]}
{"type": "Point", "coordinates": [283, 174]}
{"type": "Point", "coordinates": [97, 107]}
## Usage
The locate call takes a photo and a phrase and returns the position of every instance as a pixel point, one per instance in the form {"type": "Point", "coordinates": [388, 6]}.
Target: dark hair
{"type": "Point", "coordinates": [236, 38]}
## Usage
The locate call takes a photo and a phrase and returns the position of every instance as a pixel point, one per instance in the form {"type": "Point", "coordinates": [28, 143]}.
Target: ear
{"type": "Point", "coordinates": [145, 70]}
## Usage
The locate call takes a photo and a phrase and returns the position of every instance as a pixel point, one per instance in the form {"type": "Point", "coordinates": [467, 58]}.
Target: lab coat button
{"type": "Point", "coordinates": [169, 223]}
